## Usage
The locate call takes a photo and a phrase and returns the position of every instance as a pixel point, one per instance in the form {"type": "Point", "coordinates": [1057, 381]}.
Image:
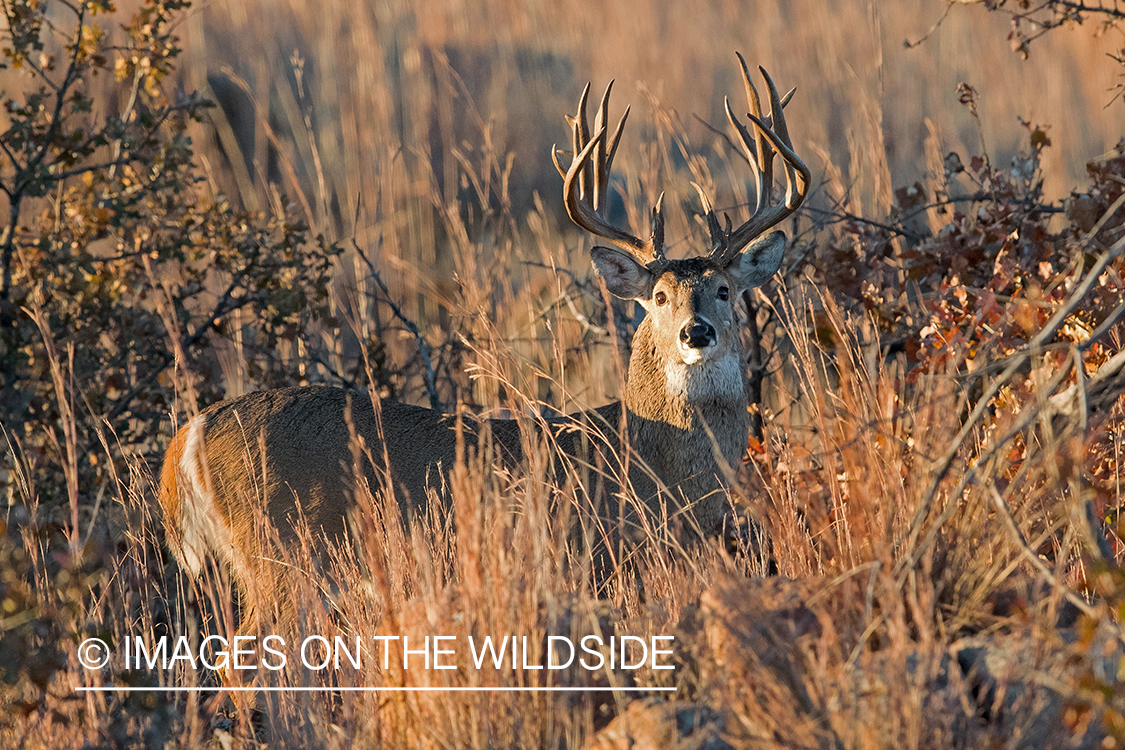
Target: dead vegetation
{"type": "Point", "coordinates": [936, 467]}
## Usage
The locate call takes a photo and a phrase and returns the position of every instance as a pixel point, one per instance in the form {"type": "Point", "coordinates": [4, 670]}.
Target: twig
{"type": "Point", "coordinates": [842, 215]}
{"type": "Point", "coordinates": [1101, 330]}
{"type": "Point", "coordinates": [937, 24]}
{"type": "Point", "coordinates": [19, 184]}
{"type": "Point", "coordinates": [1026, 551]}
{"type": "Point", "coordinates": [1043, 208]}
{"type": "Point", "coordinates": [226, 304]}
{"type": "Point", "coordinates": [902, 568]}
{"type": "Point", "coordinates": [755, 363]}
{"type": "Point", "coordinates": [423, 345]}
{"type": "Point", "coordinates": [1093, 397]}
{"type": "Point", "coordinates": [1035, 346]}
{"type": "Point", "coordinates": [723, 135]}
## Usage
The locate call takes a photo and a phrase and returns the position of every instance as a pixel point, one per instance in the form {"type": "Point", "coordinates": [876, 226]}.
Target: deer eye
{"type": "Point", "coordinates": [661, 298]}
{"type": "Point", "coordinates": [724, 293]}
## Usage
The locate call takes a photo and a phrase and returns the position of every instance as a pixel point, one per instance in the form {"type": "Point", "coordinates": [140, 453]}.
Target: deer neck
{"type": "Point", "coordinates": [673, 400]}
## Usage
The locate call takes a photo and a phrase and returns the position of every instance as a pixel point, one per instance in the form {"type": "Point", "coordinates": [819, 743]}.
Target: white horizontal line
{"type": "Point", "coordinates": [241, 689]}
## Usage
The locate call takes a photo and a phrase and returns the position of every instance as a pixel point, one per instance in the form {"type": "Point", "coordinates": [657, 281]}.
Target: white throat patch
{"type": "Point", "coordinates": [691, 356]}
{"type": "Point", "coordinates": [708, 380]}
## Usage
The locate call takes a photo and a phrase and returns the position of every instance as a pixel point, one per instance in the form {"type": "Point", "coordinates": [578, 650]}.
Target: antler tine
{"type": "Point", "coordinates": [797, 173]}
{"type": "Point", "coordinates": [555, 158]}
{"type": "Point", "coordinates": [718, 238]}
{"type": "Point", "coordinates": [580, 136]}
{"type": "Point", "coordinates": [752, 152]}
{"type": "Point", "coordinates": [656, 244]}
{"type": "Point", "coordinates": [777, 119]}
{"type": "Point", "coordinates": [603, 155]}
{"type": "Point", "coordinates": [770, 138]}
{"type": "Point", "coordinates": [584, 215]}
{"type": "Point", "coordinates": [764, 173]}
{"type": "Point", "coordinates": [586, 182]}
{"type": "Point", "coordinates": [601, 169]}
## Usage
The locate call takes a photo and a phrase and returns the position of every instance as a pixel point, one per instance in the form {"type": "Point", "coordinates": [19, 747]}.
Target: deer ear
{"type": "Point", "coordinates": [624, 276]}
{"type": "Point", "coordinates": [758, 261]}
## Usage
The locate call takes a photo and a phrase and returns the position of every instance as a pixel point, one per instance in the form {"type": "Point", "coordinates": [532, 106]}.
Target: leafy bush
{"type": "Point", "coordinates": [118, 268]}
{"type": "Point", "coordinates": [116, 262]}
{"type": "Point", "coordinates": [939, 457]}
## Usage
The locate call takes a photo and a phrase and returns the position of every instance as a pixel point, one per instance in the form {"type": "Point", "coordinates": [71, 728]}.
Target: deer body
{"type": "Point", "coordinates": [288, 451]}
{"type": "Point", "coordinates": [292, 452]}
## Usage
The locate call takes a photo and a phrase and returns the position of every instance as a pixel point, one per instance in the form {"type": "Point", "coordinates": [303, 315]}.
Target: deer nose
{"type": "Point", "coordinates": [697, 334]}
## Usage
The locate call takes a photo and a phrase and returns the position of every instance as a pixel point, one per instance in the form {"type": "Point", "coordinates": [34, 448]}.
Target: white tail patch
{"type": "Point", "coordinates": [201, 526]}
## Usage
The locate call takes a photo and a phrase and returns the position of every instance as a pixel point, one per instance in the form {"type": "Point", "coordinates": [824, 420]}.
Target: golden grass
{"type": "Point", "coordinates": [423, 132]}
{"type": "Point", "coordinates": [375, 83]}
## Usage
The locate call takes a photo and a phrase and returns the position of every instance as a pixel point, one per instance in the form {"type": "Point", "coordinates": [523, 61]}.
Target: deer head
{"type": "Point", "coordinates": [690, 328]}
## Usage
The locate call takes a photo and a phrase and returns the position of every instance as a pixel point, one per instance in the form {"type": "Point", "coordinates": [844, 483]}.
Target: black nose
{"type": "Point", "coordinates": [697, 334]}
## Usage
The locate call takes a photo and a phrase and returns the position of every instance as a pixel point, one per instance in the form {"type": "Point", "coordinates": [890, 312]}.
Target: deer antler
{"type": "Point", "coordinates": [586, 183]}
{"type": "Point", "coordinates": [771, 136]}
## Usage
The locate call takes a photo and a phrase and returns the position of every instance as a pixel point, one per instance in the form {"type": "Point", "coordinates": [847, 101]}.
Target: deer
{"type": "Point", "coordinates": [683, 419]}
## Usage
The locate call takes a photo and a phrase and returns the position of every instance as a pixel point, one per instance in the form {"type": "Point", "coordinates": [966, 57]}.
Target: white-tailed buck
{"type": "Point", "coordinates": [288, 451]}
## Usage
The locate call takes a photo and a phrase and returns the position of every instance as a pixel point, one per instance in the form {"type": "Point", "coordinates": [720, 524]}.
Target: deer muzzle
{"type": "Point", "coordinates": [697, 334]}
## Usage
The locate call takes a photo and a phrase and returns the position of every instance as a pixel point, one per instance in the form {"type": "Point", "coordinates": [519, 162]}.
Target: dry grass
{"type": "Point", "coordinates": [376, 84]}
{"type": "Point", "coordinates": [424, 131]}
{"type": "Point", "coordinates": [423, 134]}
{"type": "Point", "coordinates": [840, 651]}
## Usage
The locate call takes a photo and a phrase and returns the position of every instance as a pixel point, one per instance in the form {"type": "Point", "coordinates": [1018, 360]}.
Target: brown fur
{"type": "Point", "coordinates": [289, 451]}
{"type": "Point", "coordinates": [169, 492]}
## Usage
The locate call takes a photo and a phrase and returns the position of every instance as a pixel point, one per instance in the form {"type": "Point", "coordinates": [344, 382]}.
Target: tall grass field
{"type": "Point", "coordinates": [921, 546]}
